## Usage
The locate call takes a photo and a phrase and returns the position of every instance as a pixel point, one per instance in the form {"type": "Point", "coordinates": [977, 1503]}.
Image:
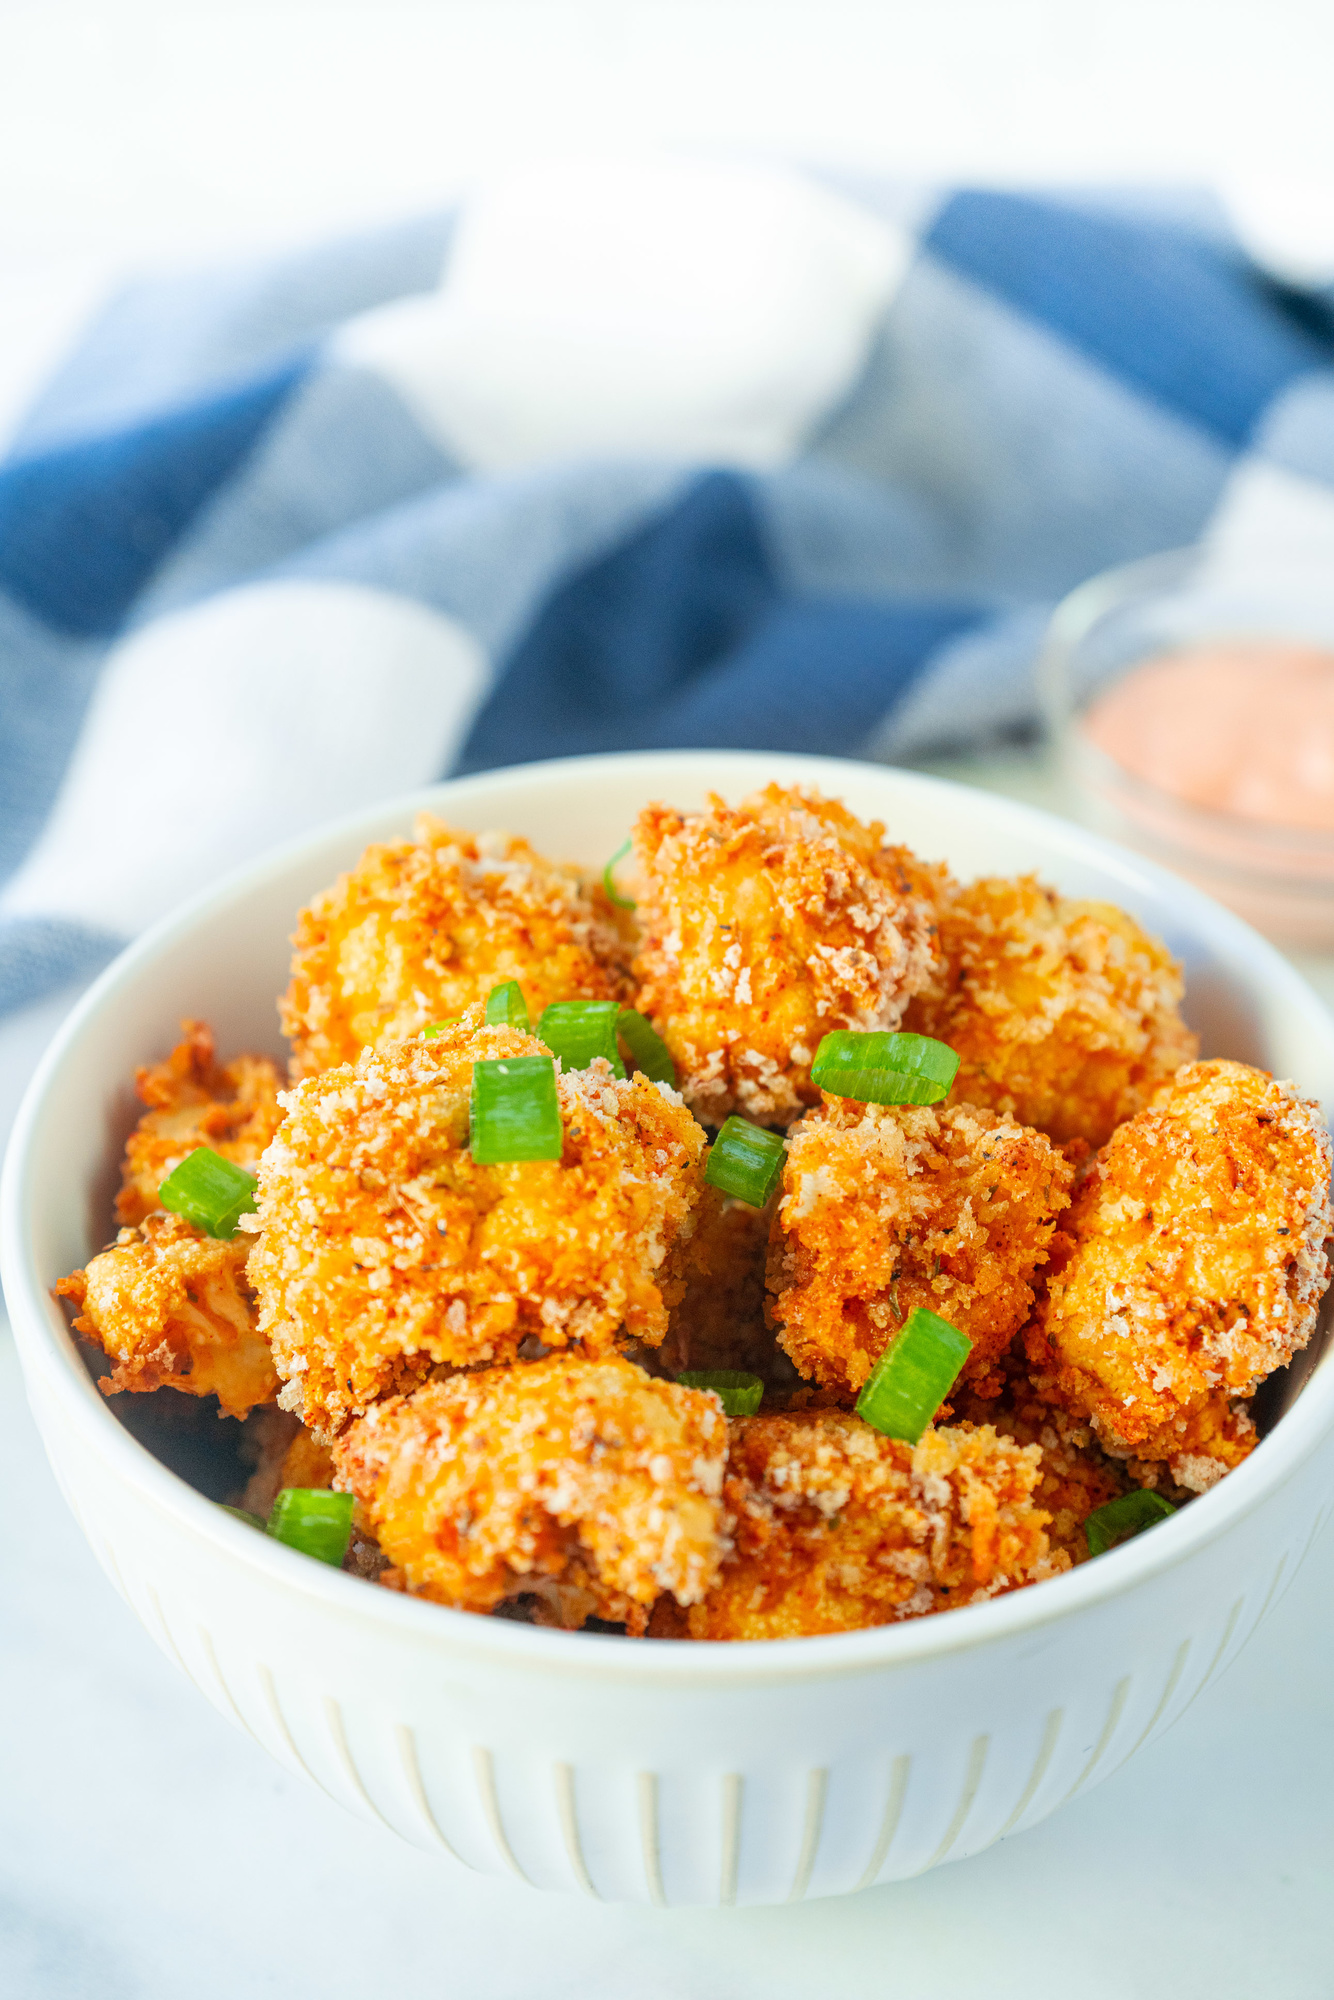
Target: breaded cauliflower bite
{"type": "Point", "coordinates": [1075, 1475]}
{"type": "Point", "coordinates": [587, 1482]}
{"type": "Point", "coordinates": [422, 928]}
{"type": "Point", "coordinates": [385, 1251]}
{"type": "Point", "coordinates": [887, 1207]}
{"type": "Point", "coordinates": [1195, 1267]}
{"type": "Point", "coordinates": [1063, 1013]}
{"type": "Point", "coordinates": [194, 1101]}
{"type": "Point", "coordinates": [171, 1308]}
{"type": "Point", "coordinates": [836, 1527]}
{"type": "Point", "coordinates": [764, 926]}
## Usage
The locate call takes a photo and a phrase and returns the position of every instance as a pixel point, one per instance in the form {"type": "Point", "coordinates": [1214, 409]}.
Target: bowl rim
{"type": "Point", "coordinates": [52, 1361]}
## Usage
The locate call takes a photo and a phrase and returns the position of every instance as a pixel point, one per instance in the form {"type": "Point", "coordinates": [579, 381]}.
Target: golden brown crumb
{"type": "Point", "coordinates": [585, 1481]}
{"type": "Point", "coordinates": [765, 925]}
{"type": "Point", "coordinates": [837, 1527]}
{"type": "Point", "coordinates": [195, 1101]}
{"type": "Point", "coordinates": [172, 1309]}
{"type": "Point", "coordinates": [385, 1250]}
{"type": "Point", "coordinates": [422, 928]}
{"type": "Point", "coordinates": [1195, 1266]}
{"type": "Point", "coordinates": [1064, 1013]}
{"type": "Point", "coordinates": [887, 1207]}
{"type": "Point", "coordinates": [1075, 1477]}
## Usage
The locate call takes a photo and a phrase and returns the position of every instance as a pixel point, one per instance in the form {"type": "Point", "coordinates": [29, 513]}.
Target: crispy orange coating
{"type": "Point", "coordinates": [764, 926]}
{"type": "Point", "coordinates": [422, 928]}
{"type": "Point", "coordinates": [585, 1481]}
{"type": "Point", "coordinates": [887, 1207]}
{"type": "Point", "coordinates": [195, 1101]}
{"type": "Point", "coordinates": [1064, 1013]}
{"type": "Point", "coordinates": [1195, 1266]}
{"type": "Point", "coordinates": [171, 1308]}
{"type": "Point", "coordinates": [836, 1527]}
{"type": "Point", "coordinates": [385, 1250]}
{"type": "Point", "coordinates": [720, 1319]}
{"type": "Point", "coordinates": [1075, 1476]}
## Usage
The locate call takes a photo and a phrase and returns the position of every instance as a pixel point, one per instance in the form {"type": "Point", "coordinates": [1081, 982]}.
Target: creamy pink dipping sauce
{"type": "Point", "coordinates": [1245, 729]}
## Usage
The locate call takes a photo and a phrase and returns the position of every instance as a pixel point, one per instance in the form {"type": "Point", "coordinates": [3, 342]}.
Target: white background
{"type": "Point", "coordinates": [145, 1850]}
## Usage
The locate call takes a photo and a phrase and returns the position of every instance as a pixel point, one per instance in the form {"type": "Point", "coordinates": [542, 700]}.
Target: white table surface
{"type": "Point", "coordinates": [148, 1849]}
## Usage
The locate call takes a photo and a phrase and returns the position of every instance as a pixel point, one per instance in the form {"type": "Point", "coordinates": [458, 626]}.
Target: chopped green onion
{"type": "Point", "coordinates": [622, 902]}
{"type": "Point", "coordinates": [209, 1191]}
{"type": "Point", "coordinates": [506, 1007]}
{"type": "Point", "coordinates": [646, 1047]}
{"type": "Point", "coordinates": [746, 1161]}
{"type": "Point", "coordinates": [578, 1031]}
{"type": "Point", "coordinates": [741, 1394]}
{"type": "Point", "coordinates": [438, 1027]}
{"type": "Point", "coordinates": [913, 1376]}
{"type": "Point", "coordinates": [314, 1520]}
{"type": "Point", "coordinates": [241, 1514]}
{"type": "Point", "coordinates": [515, 1112]}
{"type": "Point", "coordinates": [884, 1069]}
{"type": "Point", "coordinates": [1126, 1516]}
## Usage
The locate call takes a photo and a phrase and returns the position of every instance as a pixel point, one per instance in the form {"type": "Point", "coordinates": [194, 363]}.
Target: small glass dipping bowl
{"type": "Point", "coordinates": [1279, 877]}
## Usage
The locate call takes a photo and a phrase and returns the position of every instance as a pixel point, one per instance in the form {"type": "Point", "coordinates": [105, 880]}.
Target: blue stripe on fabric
{"type": "Point", "coordinates": [681, 637]}
{"type": "Point", "coordinates": [1184, 320]}
{"type": "Point", "coordinates": [627, 631]}
{"type": "Point", "coordinates": [38, 955]}
{"type": "Point", "coordinates": [84, 525]}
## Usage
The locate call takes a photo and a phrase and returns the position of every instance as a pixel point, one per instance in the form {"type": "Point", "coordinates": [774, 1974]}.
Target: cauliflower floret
{"type": "Point", "coordinates": [887, 1207]}
{"type": "Point", "coordinates": [836, 1527]}
{"type": "Point", "coordinates": [586, 1482]}
{"type": "Point", "coordinates": [386, 1251]}
{"type": "Point", "coordinates": [765, 925]}
{"type": "Point", "coordinates": [1195, 1266]}
{"type": "Point", "coordinates": [422, 928]}
{"type": "Point", "coordinates": [172, 1308]}
{"type": "Point", "coordinates": [1063, 1013]}
{"type": "Point", "coordinates": [194, 1101]}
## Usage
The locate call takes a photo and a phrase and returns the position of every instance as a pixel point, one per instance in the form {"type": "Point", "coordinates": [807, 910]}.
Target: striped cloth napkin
{"type": "Point", "coordinates": [619, 455]}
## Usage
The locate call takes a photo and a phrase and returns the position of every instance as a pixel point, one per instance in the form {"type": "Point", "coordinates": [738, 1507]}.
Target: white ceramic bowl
{"type": "Point", "coordinates": [645, 1772]}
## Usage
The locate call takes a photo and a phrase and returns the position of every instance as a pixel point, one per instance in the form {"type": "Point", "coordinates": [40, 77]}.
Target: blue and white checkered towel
{"type": "Point", "coordinates": [621, 455]}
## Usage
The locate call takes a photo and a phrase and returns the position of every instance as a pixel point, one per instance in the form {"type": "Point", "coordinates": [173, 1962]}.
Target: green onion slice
{"type": "Point", "coordinates": [578, 1031]}
{"type": "Point", "coordinates": [507, 1008]}
{"type": "Point", "coordinates": [622, 902]}
{"type": "Point", "coordinates": [242, 1514]}
{"type": "Point", "coordinates": [430, 1033]}
{"type": "Point", "coordinates": [515, 1113]}
{"type": "Point", "coordinates": [314, 1520]}
{"type": "Point", "coordinates": [647, 1048]}
{"type": "Point", "coordinates": [913, 1376]}
{"type": "Point", "coordinates": [209, 1191]}
{"type": "Point", "coordinates": [1126, 1516]}
{"type": "Point", "coordinates": [746, 1161]}
{"type": "Point", "coordinates": [884, 1069]}
{"type": "Point", "coordinates": [741, 1393]}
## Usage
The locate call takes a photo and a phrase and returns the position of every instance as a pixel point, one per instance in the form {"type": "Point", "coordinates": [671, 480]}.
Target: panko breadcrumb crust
{"type": "Point", "coordinates": [587, 1482]}
{"type": "Point", "coordinates": [888, 1207]}
{"type": "Point", "coordinates": [194, 1101]}
{"type": "Point", "coordinates": [1063, 1013]}
{"type": "Point", "coordinates": [764, 926]}
{"type": "Point", "coordinates": [172, 1308]}
{"type": "Point", "coordinates": [422, 928]}
{"type": "Point", "coordinates": [1195, 1264]}
{"type": "Point", "coordinates": [836, 1527]}
{"type": "Point", "coordinates": [384, 1250]}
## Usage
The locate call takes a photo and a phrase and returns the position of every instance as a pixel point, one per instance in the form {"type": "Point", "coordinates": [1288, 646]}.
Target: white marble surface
{"type": "Point", "coordinates": [146, 1848]}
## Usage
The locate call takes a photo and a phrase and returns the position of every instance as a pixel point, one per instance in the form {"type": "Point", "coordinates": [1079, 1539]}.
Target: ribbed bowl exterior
{"type": "Point", "coordinates": [643, 1772]}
